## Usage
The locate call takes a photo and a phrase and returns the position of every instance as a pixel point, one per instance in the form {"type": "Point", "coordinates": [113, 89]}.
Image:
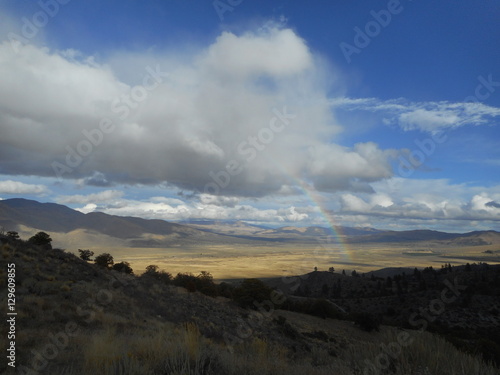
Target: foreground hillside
{"type": "Point", "coordinates": [76, 317]}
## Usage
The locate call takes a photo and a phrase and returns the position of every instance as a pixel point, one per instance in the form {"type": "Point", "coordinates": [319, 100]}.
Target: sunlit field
{"type": "Point", "coordinates": [225, 262]}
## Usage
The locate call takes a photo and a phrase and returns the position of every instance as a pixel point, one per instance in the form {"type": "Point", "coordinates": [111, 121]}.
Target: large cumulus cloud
{"type": "Point", "coordinates": [248, 113]}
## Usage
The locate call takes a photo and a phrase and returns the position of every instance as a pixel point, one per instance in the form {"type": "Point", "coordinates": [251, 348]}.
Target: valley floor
{"type": "Point", "coordinates": [227, 262]}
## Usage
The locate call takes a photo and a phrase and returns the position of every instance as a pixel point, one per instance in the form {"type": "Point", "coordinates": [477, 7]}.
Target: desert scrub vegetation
{"type": "Point", "coordinates": [148, 324]}
{"type": "Point", "coordinates": [426, 354]}
{"type": "Point", "coordinates": [174, 350]}
{"type": "Point", "coordinates": [165, 348]}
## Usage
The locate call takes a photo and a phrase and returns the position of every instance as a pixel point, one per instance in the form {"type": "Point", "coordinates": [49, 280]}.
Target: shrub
{"type": "Point", "coordinates": [366, 322]}
{"type": "Point", "coordinates": [104, 260]}
{"type": "Point", "coordinates": [323, 309]}
{"type": "Point", "coordinates": [41, 239]}
{"type": "Point", "coordinates": [165, 277]}
{"type": "Point", "coordinates": [186, 280]}
{"type": "Point", "coordinates": [250, 291]}
{"type": "Point", "coordinates": [152, 271]}
{"type": "Point", "coordinates": [203, 283]}
{"type": "Point", "coordinates": [226, 290]}
{"type": "Point", "coordinates": [13, 235]}
{"type": "Point", "coordinates": [86, 254]}
{"type": "Point", "coordinates": [206, 285]}
{"type": "Point", "coordinates": [123, 267]}
{"type": "Point", "coordinates": [286, 328]}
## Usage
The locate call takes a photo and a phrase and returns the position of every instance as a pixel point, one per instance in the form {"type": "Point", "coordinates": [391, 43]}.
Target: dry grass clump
{"type": "Point", "coordinates": [170, 349]}
{"type": "Point", "coordinates": [426, 354]}
{"type": "Point", "coordinates": [164, 349]}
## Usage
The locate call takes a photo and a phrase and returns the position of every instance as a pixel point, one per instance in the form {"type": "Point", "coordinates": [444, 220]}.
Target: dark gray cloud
{"type": "Point", "coordinates": [493, 204]}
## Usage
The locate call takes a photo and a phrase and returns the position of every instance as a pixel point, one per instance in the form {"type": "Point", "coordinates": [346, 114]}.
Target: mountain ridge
{"type": "Point", "coordinates": [53, 217]}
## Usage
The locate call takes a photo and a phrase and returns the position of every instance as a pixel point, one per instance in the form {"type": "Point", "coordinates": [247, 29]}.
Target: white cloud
{"type": "Point", "coordinates": [336, 168]}
{"type": "Point", "coordinates": [424, 200]}
{"type": "Point", "coordinates": [428, 120]}
{"type": "Point", "coordinates": [17, 188]}
{"type": "Point", "coordinates": [483, 202]}
{"type": "Point", "coordinates": [103, 196]}
{"type": "Point", "coordinates": [275, 53]}
{"type": "Point", "coordinates": [90, 207]}
{"type": "Point", "coordinates": [217, 105]}
{"type": "Point", "coordinates": [203, 207]}
{"type": "Point", "coordinates": [291, 214]}
{"type": "Point", "coordinates": [430, 117]}
{"type": "Point", "coordinates": [216, 200]}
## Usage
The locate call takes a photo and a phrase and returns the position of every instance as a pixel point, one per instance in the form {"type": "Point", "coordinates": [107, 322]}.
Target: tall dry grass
{"type": "Point", "coordinates": [182, 350]}
{"type": "Point", "coordinates": [427, 354]}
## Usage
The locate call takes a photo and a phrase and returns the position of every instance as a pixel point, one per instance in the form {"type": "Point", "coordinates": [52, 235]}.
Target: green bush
{"type": "Point", "coordinates": [366, 321]}
{"type": "Point", "coordinates": [86, 254]}
{"type": "Point", "coordinates": [41, 239]}
{"type": "Point", "coordinates": [203, 283]}
{"type": "Point", "coordinates": [250, 291]}
{"type": "Point", "coordinates": [123, 267]}
{"type": "Point", "coordinates": [104, 260]}
{"type": "Point", "coordinates": [153, 271]}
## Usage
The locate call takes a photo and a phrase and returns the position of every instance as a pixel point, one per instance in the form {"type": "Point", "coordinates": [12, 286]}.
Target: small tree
{"type": "Point", "coordinates": [153, 271]}
{"type": "Point", "coordinates": [186, 280]}
{"type": "Point", "coordinates": [86, 254]}
{"type": "Point", "coordinates": [366, 322]}
{"type": "Point", "coordinates": [104, 260]}
{"type": "Point", "coordinates": [250, 292]}
{"type": "Point", "coordinates": [153, 268]}
{"type": "Point", "coordinates": [13, 234]}
{"type": "Point", "coordinates": [331, 269]}
{"type": "Point", "coordinates": [41, 239]}
{"type": "Point", "coordinates": [315, 269]}
{"type": "Point", "coordinates": [123, 267]}
{"type": "Point", "coordinates": [164, 276]}
{"type": "Point", "coordinates": [206, 284]}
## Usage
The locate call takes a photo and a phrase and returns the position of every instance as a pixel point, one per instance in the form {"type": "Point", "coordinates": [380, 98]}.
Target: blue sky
{"type": "Point", "coordinates": [382, 114]}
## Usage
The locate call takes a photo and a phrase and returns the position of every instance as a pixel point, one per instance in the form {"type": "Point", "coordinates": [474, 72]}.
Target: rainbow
{"type": "Point", "coordinates": [316, 200]}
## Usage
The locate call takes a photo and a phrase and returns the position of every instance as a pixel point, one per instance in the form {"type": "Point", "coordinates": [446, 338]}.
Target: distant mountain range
{"type": "Point", "coordinates": [343, 234]}
{"type": "Point", "coordinates": [17, 214]}
{"type": "Point", "coordinates": [51, 217]}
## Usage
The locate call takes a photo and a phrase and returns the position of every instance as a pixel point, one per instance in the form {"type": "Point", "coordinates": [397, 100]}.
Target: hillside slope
{"type": "Point", "coordinates": [75, 318]}
{"type": "Point", "coordinates": [52, 217]}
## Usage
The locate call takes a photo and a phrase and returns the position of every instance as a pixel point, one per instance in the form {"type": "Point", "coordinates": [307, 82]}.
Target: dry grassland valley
{"type": "Point", "coordinates": [101, 294]}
